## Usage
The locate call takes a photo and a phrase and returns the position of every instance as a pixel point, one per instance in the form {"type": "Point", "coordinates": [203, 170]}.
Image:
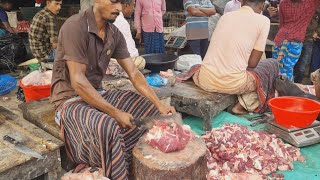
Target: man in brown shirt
{"type": "Point", "coordinates": [96, 124]}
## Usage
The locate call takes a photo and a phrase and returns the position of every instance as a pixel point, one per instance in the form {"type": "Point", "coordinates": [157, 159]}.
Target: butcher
{"type": "Point", "coordinates": [232, 64]}
{"type": "Point", "coordinates": [96, 124]}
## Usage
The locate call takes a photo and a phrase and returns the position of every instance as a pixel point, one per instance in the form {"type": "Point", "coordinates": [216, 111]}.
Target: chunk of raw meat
{"type": "Point", "coordinates": [236, 152]}
{"type": "Point", "coordinates": [168, 137]}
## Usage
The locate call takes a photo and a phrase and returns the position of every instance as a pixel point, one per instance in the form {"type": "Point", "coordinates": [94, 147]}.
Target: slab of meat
{"type": "Point", "coordinates": [235, 150]}
{"type": "Point", "coordinates": [168, 137]}
{"type": "Point", "coordinates": [85, 175]}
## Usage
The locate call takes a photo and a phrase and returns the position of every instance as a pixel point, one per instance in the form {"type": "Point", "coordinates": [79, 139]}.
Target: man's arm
{"type": "Point", "coordinates": [137, 20]}
{"type": "Point", "coordinates": [192, 10]}
{"type": "Point", "coordinates": [254, 58]}
{"type": "Point", "coordinates": [86, 91]}
{"type": "Point", "coordinates": [317, 32]}
{"type": "Point", "coordinates": [137, 16]}
{"type": "Point", "coordinates": [208, 11]}
{"type": "Point", "coordinates": [5, 21]}
{"type": "Point", "coordinates": [281, 18]}
{"type": "Point", "coordinates": [163, 7]}
{"type": "Point", "coordinates": [196, 12]}
{"type": "Point", "coordinates": [52, 31]}
{"type": "Point", "coordinates": [141, 85]}
{"type": "Point", "coordinates": [8, 27]}
{"type": "Point", "coordinates": [260, 43]}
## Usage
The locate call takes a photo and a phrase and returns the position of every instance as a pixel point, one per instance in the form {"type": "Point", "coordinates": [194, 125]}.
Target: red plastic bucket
{"type": "Point", "coordinates": [33, 93]}
{"type": "Point", "coordinates": [294, 111]}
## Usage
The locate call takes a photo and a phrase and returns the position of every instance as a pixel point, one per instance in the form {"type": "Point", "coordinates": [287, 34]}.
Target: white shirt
{"type": "Point", "coordinates": [122, 24]}
{"type": "Point", "coordinates": [232, 5]}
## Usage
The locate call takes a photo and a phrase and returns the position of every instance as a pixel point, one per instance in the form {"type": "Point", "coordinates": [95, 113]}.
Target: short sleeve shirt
{"type": "Point", "coordinates": [3, 17]}
{"type": "Point", "coordinates": [294, 19]}
{"type": "Point", "coordinates": [79, 41]}
{"type": "Point", "coordinates": [197, 27]}
{"type": "Point", "coordinates": [225, 64]}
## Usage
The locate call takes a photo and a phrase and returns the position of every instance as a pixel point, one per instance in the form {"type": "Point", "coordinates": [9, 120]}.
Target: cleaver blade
{"type": "Point", "coordinates": [148, 122]}
{"type": "Point", "coordinates": [22, 148]}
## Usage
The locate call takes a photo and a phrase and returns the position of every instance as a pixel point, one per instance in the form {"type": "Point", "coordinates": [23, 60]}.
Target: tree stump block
{"type": "Point", "coordinates": [152, 164]}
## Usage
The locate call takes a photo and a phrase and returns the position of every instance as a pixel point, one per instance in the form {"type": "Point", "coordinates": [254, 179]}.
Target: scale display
{"type": "Point", "coordinates": [176, 42]}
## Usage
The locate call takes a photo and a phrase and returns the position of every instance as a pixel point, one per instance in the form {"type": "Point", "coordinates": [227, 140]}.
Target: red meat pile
{"type": "Point", "coordinates": [236, 152]}
{"type": "Point", "coordinates": [168, 137]}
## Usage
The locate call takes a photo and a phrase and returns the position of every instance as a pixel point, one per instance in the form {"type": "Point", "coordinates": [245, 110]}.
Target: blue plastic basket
{"type": "Point", "coordinates": [7, 84]}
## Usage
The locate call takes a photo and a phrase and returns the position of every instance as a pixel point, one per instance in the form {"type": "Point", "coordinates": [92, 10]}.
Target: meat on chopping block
{"type": "Point", "coordinates": [169, 137]}
{"type": "Point", "coordinates": [152, 164]}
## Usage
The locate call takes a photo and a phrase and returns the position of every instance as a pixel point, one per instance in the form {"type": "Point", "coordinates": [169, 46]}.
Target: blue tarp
{"type": "Point", "coordinates": [310, 170]}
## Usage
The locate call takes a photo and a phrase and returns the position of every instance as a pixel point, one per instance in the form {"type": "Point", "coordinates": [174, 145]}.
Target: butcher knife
{"type": "Point", "coordinates": [22, 148]}
{"type": "Point", "coordinates": [148, 122]}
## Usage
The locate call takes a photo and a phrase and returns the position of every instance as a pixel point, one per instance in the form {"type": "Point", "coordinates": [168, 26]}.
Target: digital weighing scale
{"type": "Point", "coordinates": [178, 42]}
{"type": "Point", "coordinates": [298, 137]}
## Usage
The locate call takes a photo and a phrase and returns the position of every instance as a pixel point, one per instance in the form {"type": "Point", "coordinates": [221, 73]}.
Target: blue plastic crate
{"type": "Point", "coordinates": [7, 84]}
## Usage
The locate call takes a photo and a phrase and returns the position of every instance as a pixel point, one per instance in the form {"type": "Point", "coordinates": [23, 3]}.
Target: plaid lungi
{"type": "Point", "coordinates": [265, 75]}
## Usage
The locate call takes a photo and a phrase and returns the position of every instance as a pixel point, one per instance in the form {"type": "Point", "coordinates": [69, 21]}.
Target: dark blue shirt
{"type": "Point", "coordinates": [3, 15]}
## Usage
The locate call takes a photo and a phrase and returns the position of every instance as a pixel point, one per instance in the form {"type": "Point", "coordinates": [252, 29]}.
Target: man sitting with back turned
{"type": "Point", "coordinates": [232, 64]}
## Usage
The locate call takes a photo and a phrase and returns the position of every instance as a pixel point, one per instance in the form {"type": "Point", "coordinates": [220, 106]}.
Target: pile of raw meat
{"type": "Point", "coordinates": [236, 152]}
{"type": "Point", "coordinates": [169, 137]}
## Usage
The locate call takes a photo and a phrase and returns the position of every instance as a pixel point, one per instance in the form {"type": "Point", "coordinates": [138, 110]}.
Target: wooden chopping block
{"type": "Point", "coordinates": [152, 164]}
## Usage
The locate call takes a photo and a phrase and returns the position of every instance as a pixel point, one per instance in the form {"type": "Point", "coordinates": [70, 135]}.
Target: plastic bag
{"type": "Point", "coordinates": [37, 78]}
{"type": "Point", "coordinates": [185, 62]}
{"type": "Point", "coordinates": [156, 80]}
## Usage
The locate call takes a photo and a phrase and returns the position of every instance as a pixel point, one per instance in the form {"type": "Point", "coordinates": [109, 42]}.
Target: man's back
{"type": "Point", "coordinates": [236, 35]}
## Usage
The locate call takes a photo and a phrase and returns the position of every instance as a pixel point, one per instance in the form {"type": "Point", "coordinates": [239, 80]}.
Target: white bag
{"type": "Point", "coordinates": [186, 61]}
{"type": "Point", "coordinates": [37, 78]}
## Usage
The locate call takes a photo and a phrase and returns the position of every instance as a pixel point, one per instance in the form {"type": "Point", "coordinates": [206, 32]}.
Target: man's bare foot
{"type": "Point", "coordinates": [239, 110]}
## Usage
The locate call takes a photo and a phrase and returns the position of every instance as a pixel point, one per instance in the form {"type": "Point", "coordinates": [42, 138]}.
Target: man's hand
{"type": "Point", "coordinates": [208, 11]}
{"type": "Point", "coordinates": [54, 45]}
{"type": "Point", "coordinates": [273, 11]}
{"type": "Point", "coordinates": [165, 109]}
{"type": "Point", "coordinates": [196, 12]}
{"type": "Point", "coordinates": [124, 119]}
{"type": "Point", "coordinates": [315, 35]}
{"type": "Point", "coordinates": [138, 37]}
